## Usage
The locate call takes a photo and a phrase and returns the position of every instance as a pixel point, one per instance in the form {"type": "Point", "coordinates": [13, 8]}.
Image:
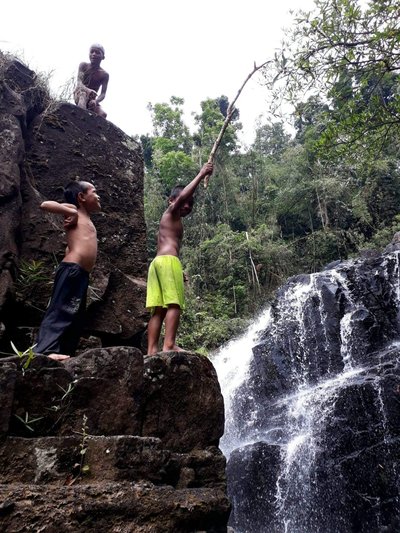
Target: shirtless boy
{"type": "Point", "coordinates": [61, 326]}
{"type": "Point", "coordinates": [165, 291]}
{"type": "Point", "coordinates": [90, 78]}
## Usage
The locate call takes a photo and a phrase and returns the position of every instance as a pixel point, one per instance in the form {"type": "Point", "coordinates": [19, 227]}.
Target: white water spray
{"type": "Point", "coordinates": [232, 365]}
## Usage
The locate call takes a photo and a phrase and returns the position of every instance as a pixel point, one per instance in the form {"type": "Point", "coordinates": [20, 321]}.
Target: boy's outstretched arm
{"type": "Point", "coordinates": [187, 192]}
{"type": "Point", "coordinates": [68, 211]}
{"type": "Point", "coordinates": [104, 86]}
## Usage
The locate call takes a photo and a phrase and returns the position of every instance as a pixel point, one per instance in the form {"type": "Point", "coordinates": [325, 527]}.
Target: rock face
{"type": "Point", "coordinates": [82, 449]}
{"type": "Point", "coordinates": [45, 145]}
{"type": "Point", "coordinates": [173, 386]}
{"type": "Point", "coordinates": [109, 440]}
{"type": "Point", "coordinates": [320, 447]}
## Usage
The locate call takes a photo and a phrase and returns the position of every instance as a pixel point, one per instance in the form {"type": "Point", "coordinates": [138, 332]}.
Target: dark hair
{"type": "Point", "coordinates": [99, 47]}
{"type": "Point", "coordinates": [72, 190]}
{"type": "Point", "coordinates": [176, 191]}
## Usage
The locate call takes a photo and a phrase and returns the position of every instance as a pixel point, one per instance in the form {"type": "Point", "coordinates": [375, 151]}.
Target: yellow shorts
{"type": "Point", "coordinates": [165, 283]}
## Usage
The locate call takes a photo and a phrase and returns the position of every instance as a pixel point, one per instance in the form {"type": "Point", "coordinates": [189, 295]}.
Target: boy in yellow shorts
{"type": "Point", "coordinates": [165, 291]}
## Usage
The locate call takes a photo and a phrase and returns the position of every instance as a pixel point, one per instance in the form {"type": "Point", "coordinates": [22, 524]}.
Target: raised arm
{"type": "Point", "coordinates": [68, 211]}
{"type": "Point", "coordinates": [188, 191]}
{"type": "Point", "coordinates": [58, 208]}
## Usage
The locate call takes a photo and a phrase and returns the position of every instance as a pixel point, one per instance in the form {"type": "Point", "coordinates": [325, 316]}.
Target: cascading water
{"type": "Point", "coordinates": [312, 436]}
{"type": "Point", "coordinates": [232, 366]}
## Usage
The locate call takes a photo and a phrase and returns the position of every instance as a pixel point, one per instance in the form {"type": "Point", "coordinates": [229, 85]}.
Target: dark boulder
{"type": "Point", "coordinates": [183, 403]}
{"type": "Point", "coordinates": [85, 430]}
{"type": "Point", "coordinates": [252, 472]}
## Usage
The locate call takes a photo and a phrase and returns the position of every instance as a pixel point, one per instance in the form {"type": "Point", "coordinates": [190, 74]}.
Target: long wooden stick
{"type": "Point", "coordinates": [228, 117]}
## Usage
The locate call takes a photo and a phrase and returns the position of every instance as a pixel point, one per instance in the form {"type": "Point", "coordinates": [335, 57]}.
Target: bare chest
{"type": "Point", "coordinates": [92, 78]}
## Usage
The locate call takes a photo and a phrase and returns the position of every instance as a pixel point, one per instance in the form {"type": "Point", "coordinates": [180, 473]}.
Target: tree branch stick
{"type": "Point", "coordinates": [228, 117]}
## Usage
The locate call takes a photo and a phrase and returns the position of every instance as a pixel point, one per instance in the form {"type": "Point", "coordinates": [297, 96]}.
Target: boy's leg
{"type": "Point", "coordinates": [70, 286]}
{"type": "Point", "coordinates": [100, 111]}
{"type": "Point", "coordinates": [154, 330]}
{"type": "Point", "coordinates": [172, 318]}
{"type": "Point", "coordinates": [81, 97]}
{"type": "Point", "coordinates": [70, 337]}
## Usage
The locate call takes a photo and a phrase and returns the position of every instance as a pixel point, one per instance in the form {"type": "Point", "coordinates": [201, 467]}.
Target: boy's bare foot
{"type": "Point", "coordinates": [58, 356]}
{"type": "Point", "coordinates": [175, 348]}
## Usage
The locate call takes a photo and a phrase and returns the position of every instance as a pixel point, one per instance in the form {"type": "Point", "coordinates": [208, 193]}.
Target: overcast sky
{"type": "Point", "coordinates": [154, 49]}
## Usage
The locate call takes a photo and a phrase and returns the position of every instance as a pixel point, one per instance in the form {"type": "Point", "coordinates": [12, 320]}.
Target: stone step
{"type": "Point", "coordinates": [112, 507]}
{"type": "Point", "coordinates": [59, 460]}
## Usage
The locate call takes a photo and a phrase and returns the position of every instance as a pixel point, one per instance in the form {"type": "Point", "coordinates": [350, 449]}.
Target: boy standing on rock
{"type": "Point", "coordinates": [165, 291]}
{"type": "Point", "coordinates": [62, 324]}
{"type": "Point", "coordinates": [90, 78]}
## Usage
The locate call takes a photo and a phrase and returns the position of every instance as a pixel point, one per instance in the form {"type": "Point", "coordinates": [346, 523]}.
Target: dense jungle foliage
{"type": "Point", "coordinates": [289, 203]}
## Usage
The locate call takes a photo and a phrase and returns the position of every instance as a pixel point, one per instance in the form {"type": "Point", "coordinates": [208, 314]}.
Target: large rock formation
{"type": "Point", "coordinates": [45, 145]}
{"type": "Point", "coordinates": [110, 440]}
{"type": "Point", "coordinates": [321, 444]}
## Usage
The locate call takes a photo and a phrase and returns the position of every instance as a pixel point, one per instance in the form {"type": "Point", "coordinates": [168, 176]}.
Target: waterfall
{"type": "Point", "coordinates": [232, 365]}
{"type": "Point", "coordinates": [305, 416]}
{"type": "Point", "coordinates": [306, 396]}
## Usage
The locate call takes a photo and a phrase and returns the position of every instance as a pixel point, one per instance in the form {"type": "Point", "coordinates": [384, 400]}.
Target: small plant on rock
{"type": "Point", "coordinates": [81, 468]}
{"type": "Point", "coordinates": [32, 279]}
{"type": "Point", "coordinates": [28, 355]}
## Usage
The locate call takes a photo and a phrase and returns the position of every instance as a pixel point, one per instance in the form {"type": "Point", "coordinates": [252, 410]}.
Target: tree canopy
{"type": "Point", "coordinates": [349, 54]}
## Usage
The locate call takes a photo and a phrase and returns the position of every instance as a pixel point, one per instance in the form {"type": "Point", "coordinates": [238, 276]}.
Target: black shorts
{"type": "Point", "coordinates": [63, 321]}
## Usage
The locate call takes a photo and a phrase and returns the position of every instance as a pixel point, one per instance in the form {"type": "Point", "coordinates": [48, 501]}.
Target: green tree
{"type": "Point", "coordinates": [174, 167]}
{"type": "Point", "coordinates": [209, 123]}
{"type": "Point", "coordinates": [271, 140]}
{"type": "Point", "coordinates": [167, 152]}
{"type": "Point", "coordinates": [349, 54]}
{"type": "Point", "coordinates": [169, 130]}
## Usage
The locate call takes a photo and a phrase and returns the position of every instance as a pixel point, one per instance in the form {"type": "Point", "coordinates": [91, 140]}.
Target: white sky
{"type": "Point", "coordinates": [154, 49]}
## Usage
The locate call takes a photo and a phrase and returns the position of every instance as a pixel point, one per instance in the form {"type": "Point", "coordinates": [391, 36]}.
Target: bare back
{"type": "Point", "coordinates": [170, 233]}
{"type": "Point", "coordinates": [82, 243]}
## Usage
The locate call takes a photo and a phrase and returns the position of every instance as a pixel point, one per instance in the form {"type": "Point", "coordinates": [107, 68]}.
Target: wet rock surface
{"type": "Point", "coordinates": [321, 403]}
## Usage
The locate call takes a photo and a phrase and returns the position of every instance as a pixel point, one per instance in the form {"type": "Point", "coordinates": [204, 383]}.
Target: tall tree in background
{"type": "Point", "coordinates": [169, 130]}
{"type": "Point", "coordinates": [168, 161]}
{"type": "Point", "coordinates": [218, 201]}
{"type": "Point", "coordinates": [350, 54]}
{"type": "Point", "coordinates": [171, 144]}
